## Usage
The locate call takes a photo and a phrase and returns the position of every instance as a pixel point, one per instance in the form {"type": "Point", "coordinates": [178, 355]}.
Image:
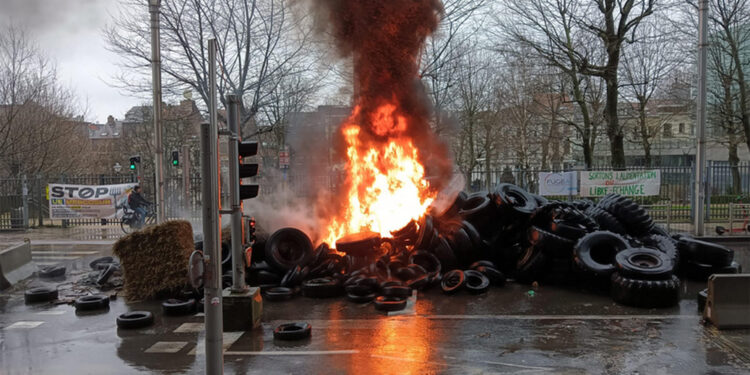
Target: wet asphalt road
{"type": "Point", "coordinates": [558, 330]}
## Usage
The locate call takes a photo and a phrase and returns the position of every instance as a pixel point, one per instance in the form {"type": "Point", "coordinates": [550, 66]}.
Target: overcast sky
{"type": "Point", "coordinates": [69, 31]}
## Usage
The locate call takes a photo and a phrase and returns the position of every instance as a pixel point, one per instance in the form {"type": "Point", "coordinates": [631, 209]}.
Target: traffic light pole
{"type": "Point", "coordinates": [700, 152]}
{"type": "Point", "coordinates": [153, 9]}
{"type": "Point", "coordinates": [213, 306]}
{"type": "Point", "coordinates": [238, 264]}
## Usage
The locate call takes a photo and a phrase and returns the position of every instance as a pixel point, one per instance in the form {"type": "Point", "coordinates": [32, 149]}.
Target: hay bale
{"type": "Point", "coordinates": [154, 260]}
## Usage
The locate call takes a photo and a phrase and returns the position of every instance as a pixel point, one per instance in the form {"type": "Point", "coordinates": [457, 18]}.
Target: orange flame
{"type": "Point", "coordinates": [385, 182]}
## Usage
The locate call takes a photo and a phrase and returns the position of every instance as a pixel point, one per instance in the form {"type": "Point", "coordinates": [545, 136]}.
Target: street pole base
{"type": "Point", "coordinates": [242, 311]}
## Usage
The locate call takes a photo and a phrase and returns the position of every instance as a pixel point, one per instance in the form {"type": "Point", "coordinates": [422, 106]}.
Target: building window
{"type": "Point", "coordinates": [682, 128]}
{"type": "Point", "coordinates": [667, 130]}
{"type": "Point", "coordinates": [692, 129]}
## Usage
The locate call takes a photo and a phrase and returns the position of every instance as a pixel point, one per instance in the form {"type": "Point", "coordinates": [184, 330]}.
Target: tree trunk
{"type": "Point", "coordinates": [645, 134]}
{"type": "Point", "coordinates": [616, 138]}
{"type": "Point", "coordinates": [734, 161]}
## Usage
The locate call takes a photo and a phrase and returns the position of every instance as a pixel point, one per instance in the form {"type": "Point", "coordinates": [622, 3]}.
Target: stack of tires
{"type": "Point", "coordinates": [610, 245]}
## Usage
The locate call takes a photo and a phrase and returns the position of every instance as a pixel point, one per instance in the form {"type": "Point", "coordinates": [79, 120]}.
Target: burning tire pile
{"type": "Point", "coordinates": [484, 238]}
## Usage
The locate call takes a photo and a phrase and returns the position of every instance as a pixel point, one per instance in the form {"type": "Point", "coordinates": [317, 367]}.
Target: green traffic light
{"type": "Point", "coordinates": [175, 163]}
{"type": "Point", "coordinates": [132, 166]}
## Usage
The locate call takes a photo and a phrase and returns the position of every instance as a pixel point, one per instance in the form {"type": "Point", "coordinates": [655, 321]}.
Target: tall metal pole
{"type": "Point", "coordinates": [238, 265]}
{"type": "Point", "coordinates": [700, 153]}
{"type": "Point", "coordinates": [186, 176]}
{"type": "Point", "coordinates": [153, 8]}
{"type": "Point", "coordinates": [211, 224]}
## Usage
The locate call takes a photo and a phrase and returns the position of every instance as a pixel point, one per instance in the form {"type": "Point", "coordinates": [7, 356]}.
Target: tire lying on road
{"type": "Point", "coordinates": [292, 331]}
{"type": "Point", "coordinates": [93, 302]}
{"type": "Point", "coordinates": [645, 293]}
{"type": "Point", "coordinates": [135, 319]}
{"type": "Point", "coordinates": [41, 294]}
{"type": "Point", "coordinates": [53, 271]}
{"type": "Point", "coordinates": [700, 271]}
{"type": "Point", "coordinates": [103, 260]}
{"type": "Point", "coordinates": [106, 273]}
{"type": "Point", "coordinates": [706, 252]}
{"type": "Point", "coordinates": [324, 287]}
{"type": "Point", "coordinates": [177, 307]}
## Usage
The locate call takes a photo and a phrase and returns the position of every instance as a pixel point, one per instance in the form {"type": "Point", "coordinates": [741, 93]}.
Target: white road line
{"type": "Point", "coordinates": [463, 366]}
{"type": "Point", "coordinates": [556, 317]}
{"type": "Point", "coordinates": [24, 325]}
{"type": "Point", "coordinates": [506, 364]}
{"type": "Point", "coordinates": [228, 338]}
{"type": "Point", "coordinates": [56, 252]}
{"type": "Point", "coordinates": [166, 347]}
{"type": "Point", "coordinates": [310, 352]}
{"type": "Point", "coordinates": [52, 312]}
{"type": "Point", "coordinates": [55, 257]}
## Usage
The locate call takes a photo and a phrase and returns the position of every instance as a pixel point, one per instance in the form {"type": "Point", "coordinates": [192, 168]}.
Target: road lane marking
{"type": "Point", "coordinates": [228, 338]}
{"type": "Point", "coordinates": [167, 347]}
{"type": "Point", "coordinates": [52, 312]}
{"type": "Point", "coordinates": [292, 352]}
{"type": "Point", "coordinates": [557, 317]}
{"type": "Point", "coordinates": [24, 325]}
{"type": "Point", "coordinates": [189, 328]}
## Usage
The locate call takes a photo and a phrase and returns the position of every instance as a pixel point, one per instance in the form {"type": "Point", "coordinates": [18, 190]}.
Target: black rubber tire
{"type": "Point", "coordinates": [644, 263]}
{"type": "Point", "coordinates": [480, 263]}
{"type": "Point", "coordinates": [93, 264]}
{"type": "Point", "coordinates": [396, 291]}
{"type": "Point", "coordinates": [496, 277]}
{"type": "Point", "coordinates": [531, 266]}
{"type": "Point", "coordinates": [540, 200]}
{"type": "Point", "coordinates": [462, 246]}
{"type": "Point", "coordinates": [278, 294]}
{"type": "Point", "coordinates": [425, 233]}
{"type": "Point", "coordinates": [635, 219]}
{"type": "Point", "coordinates": [384, 303]}
{"type": "Point", "coordinates": [664, 244]}
{"type": "Point", "coordinates": [135, 319]}
{"type": "Point", "coordinates": [476, 282]}
{"type": "Point", "coordinates": [701, 271]}
{"type": "Point", "coordinates": [288, 247]}
{"type": "Point", "coordinates": [478, 210]}
{"type": "Point", "coordinates": [571, 231]}
{"type": "Point", "coordinates": [445, 254]}
{"type": "Point", "coordinates": [40, 294]}
{"type": "Point", "coordinates": [426, 260]}
{"type": "Point", "coordinates": [357, 298]}
{"type": "Point", "coordinates": [324, 287]}
{"type": "Point", "coordinates": [706, 252]}
{"type": "Point", "coordinates": [292, 278]}
{"type": "Point", "coordinates": [200, 304]}
{"type": "Point", "coordinates": [453, 281]}
{"type": "Point", "coordinates": [292, 331]}
{"type": "Point", "coordinates": [178, 307]}
{"type": "Point", "coordinates": [702, 297]}
{"type": "Point", "coordinates": [359, 244]}
{"type": "Point", "coordinates": [52, 271]}
{"type": "Point", "coordinates": [645, 293]}
{"type": "Point", "coordinates": [595, 252]}
{"type": "Point", "coordinates": [514, 202]}
{"type": "Point", "coordinates": [605, 220]}
{"type": "Point", "coordinates": [419, 283]}
{"type": "Point", "coordinates": [551, 244]}
{"type": "Point", "coordinates": [106, 273]}
{"type": "Point", "coordinates": [94, 302]}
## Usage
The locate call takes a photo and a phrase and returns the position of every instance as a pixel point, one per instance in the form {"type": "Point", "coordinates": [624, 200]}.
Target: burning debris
{"type": "Point", "coordinates": [485, 237]}
{"type": "Point", "coordinates": [390, 149]}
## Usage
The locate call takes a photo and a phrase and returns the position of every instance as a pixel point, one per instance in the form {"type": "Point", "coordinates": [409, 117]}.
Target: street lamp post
{"type": "Point", "coordinates": [153, 8]}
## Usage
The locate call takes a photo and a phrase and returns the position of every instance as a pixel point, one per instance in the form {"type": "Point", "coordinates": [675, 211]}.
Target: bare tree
{"type": "Point", "coordinates": [723, 107]}
{"type": "Point", "coordinates": [259, 43]}
{"type": "Point", "coordinates": [730, 19]}
{"type": "Point", "coordinates": [584, 38]}
{"type": "Point", "coordinates": [40, 130]}
{"type": "Point", "coordinates": [461, 22]}
{"type": "Point", "coordinates": [645, 67]}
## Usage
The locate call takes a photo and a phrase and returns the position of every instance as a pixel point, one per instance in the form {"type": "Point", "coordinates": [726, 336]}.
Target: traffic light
{"type": "Point", "coordinates": [247, 149]}
{"type": "Point", "coordinates": [175, 158]}
{"type": "Point", "coordinates": [133, 161]}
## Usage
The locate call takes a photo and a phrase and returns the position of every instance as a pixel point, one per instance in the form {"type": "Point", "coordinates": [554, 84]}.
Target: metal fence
{"type": "Point", "coordinates": [23, 201]}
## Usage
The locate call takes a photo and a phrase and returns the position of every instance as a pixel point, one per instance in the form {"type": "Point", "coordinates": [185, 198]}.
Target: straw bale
{"type": "Point", "coordinates": [154, 260]}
